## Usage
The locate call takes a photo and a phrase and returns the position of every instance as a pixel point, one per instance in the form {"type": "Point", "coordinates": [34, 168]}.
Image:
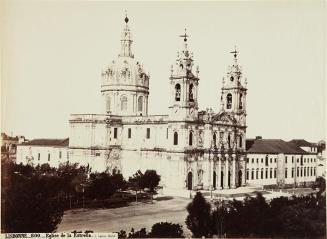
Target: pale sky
{"type": "Point", "coordinates": [54, 51]}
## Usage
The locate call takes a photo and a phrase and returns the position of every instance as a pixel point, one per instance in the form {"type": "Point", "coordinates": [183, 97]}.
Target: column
{"type": "Point", "coordinates": [219, 173]}
{"type": "Point", "coordinates": [226, 173]}
{"type": "Point", "coordinates": [232, 183]}
{"type": "Point", "coordinates": [211, 173]}
{"type": "Point", "coordinates": [243, 171]}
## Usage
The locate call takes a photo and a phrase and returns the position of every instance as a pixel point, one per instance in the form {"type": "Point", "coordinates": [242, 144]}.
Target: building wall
{"type": "Point", "coordinates": [38, 155]}
{"type": "Point", "coordinates": [277, 169]}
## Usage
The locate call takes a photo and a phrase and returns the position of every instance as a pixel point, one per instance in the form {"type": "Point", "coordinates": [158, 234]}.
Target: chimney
{"type": "Point", "coordinates": [258, 137]}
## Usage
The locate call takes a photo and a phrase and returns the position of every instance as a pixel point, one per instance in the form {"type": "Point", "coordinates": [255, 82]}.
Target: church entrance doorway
{"type": "Point", "coordinates": [222, 179]}
{"type": "Point", "coordinates": [214, 180]}
{"type": "Point", "coordinates": [189, 180]}
{"type": "Point", "coordinates": [240, 178]}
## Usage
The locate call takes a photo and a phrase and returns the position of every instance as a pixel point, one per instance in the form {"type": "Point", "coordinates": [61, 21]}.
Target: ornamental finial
{"type": "Point", "coordinates": [126, 18]}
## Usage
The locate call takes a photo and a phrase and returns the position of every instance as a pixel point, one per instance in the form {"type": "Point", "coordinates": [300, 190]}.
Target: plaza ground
{"type": "Point", "coordinates": [137, 216]}
{"type": "Point", "coordinates": [169, 206]}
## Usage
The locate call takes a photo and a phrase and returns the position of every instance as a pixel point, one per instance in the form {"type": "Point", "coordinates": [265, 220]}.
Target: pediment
{"type": "Point", "coordinates": [224, 117]}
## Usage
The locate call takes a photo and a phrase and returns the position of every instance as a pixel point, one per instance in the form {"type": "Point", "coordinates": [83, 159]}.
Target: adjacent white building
{"type": "Point", "coordinates": [277, 162]}
{"type": "Point", "coordinates": [43, 151]}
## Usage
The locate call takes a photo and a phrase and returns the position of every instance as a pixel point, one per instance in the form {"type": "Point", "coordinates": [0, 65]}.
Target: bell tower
{"type": "Point", "coordinates": [184, 85]}
{"type": "Point", "coordinates": [233, 91]}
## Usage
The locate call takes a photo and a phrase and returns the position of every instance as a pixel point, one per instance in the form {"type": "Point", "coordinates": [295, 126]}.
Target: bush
{"type": "Point", "coordinates": [166, 230]}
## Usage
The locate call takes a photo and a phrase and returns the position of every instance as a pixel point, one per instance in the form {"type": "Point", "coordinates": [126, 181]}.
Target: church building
{"type": "Point", "coordinates": [190, 148]}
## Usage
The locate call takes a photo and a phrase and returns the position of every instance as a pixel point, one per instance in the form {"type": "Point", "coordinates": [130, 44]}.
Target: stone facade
{"type": "Point", "coordinates": [188, 148]}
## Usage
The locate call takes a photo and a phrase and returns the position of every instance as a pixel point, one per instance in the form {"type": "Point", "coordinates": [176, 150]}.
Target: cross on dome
{"type": "Point", "coordinates": [185, 36]}
{"type": "Point", "coordinates": [234, 52]}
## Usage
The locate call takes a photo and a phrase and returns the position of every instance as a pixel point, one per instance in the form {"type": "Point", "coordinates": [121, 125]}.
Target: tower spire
{"type": "Point", "coordinates": [126, 40]}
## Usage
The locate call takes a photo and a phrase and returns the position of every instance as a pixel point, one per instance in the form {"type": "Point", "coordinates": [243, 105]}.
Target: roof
{"type": "Point", "coordinates": [302, 143]}
{"type": "Point", "coordinates": [48, 142]}
{"type": "Point", "coordinates": [272, 146]}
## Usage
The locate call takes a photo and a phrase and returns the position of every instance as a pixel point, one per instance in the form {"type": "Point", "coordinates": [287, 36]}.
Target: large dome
{"type": "Point", "coordinates": [125, 85]}
{"type": "Point", "coordinates": [125, 71]}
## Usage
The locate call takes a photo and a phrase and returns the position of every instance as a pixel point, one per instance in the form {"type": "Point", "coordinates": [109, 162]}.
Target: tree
{"type": "Point", "coordinates": [199, 217]}
{"type": "Point", "coordinates": [166, 230]}
{"type": "Point", "coordinates": [135, 181]}
{"type": "Point", "coordinates": [29, 200]}
{"type": "Point", "coordinates": [104, 185]}
{"type": "Point", "coordinates": [150, 180]}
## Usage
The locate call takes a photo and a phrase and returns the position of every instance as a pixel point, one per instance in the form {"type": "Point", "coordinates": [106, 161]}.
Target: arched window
{"type": "Point", "coordinates": [252, 174]}
{"type": "Point", "coordinates": [177, 92]}
{"type": "Point", "coordinates": [257, 174]}
{"type": "Point", "coordinates": [108, 104]}
{"type": "Point", "coordinates": [262, 173]}
{"type": "Point", "coordinates": [190, 138]}
{"type": "Point", "coordinates": [175, 138]}
{"type": "Point", "coordinates": [190, 96]}
{"type": "Point", "coordinates": [123, 103]}
{"type": "Point", "coordinates": [240, 141]}
{"type": "Point", "coordinates": [140, 103]}
{"type": "Point", "coordinates": [240, 102]}
{"type": "Point", "coordinates": [229, 101]}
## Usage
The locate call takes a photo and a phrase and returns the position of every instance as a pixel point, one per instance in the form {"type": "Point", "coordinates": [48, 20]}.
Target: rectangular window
{"type": "Point", "coordinates": [297, 160]}
{"type": "Point", "coordinates": [271, 173]}
{"type": "Point", "coordinates": [257, 160]}
{"type": "Point", "coordinates": [275, 173]}
{"type": "Point", "coordinates": [247, 160]}
{"type": "Point", "coordinates": [285, 172]}
{"type": "Point", "coordinates": [97, 154]}
{"type": "Point", "coordinates": [292, 172]}
{"type": "Point", "coordinates": [252, 160]}
{"type": "Point", "coordinates": [314, 171]}
{"type": "Point", "coordinates": [266, 172]}
{"type": "Point", "coordinates": [285, 159]}
{"type": "Point", "coordinates": [129, 133]}
{"type": "Point", "coordinates": [247, 174]}
{"type": "Point", "coordinates": [292, 159]}
{"type": "Point", "coordinates": [48, 157]}
{"type": "Point", "coordinates": [115, 133]}
{"type": "Point", "coordinates": [60, 154]}
{"type": "Point", "coordinates": [270, 160]}
{"type": "Point", "coordinates": [262, 160]}
{"type": "Point", "coordinates": [297, 171]}
{"type": "Point", "coordinates": [301, 160]}
{"type": "Point", "coordinates": [148, 133]}
{"type": "Point", "coordinates": [275, 160]}
{"type": "Point", "coordinates": [38, 156]}
{"type": "Point", "coordinates": [167, 134]}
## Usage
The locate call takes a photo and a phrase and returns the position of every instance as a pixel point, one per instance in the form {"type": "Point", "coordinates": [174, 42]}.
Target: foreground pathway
{"type": "Point", "coordinates": [135, 216]}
